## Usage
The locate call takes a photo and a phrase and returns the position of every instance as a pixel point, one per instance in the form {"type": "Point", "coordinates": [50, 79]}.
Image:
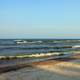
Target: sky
{"type": "Point", "coordinates": [39, 18]}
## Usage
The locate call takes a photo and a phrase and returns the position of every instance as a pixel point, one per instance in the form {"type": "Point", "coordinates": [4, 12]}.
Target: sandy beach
{"type": "Point", "coordinates": [47, 70]}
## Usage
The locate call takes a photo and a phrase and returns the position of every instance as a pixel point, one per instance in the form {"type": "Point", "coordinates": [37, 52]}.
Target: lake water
{"type": "Point", "coordinates": [29, 46]}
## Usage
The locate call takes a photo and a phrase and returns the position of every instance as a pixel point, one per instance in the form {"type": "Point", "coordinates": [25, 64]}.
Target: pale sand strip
{"type": "Point", "coordinates": [57, 67]}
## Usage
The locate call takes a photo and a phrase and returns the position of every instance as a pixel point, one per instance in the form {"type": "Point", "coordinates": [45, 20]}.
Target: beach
{"type": "Point", "coordinates": [59, 69]}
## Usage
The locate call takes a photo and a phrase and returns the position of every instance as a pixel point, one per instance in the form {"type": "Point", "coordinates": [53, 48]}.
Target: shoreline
{"type": "Point", "coordinates": [68, 62]}
{"type": "Point", "coordinates": [39, 55]}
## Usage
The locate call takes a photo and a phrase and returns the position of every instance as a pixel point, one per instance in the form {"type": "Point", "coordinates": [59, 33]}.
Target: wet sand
{"type": "Point", "coordinates": [60, 69]}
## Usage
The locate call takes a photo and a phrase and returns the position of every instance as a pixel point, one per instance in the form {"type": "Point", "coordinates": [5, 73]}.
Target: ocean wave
{"type": "Point", "coordinates": [26, 42]}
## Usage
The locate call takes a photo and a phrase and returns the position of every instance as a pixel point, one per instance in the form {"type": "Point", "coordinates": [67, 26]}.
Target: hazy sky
{"type": "Point", "coordinates": [39, 18]}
